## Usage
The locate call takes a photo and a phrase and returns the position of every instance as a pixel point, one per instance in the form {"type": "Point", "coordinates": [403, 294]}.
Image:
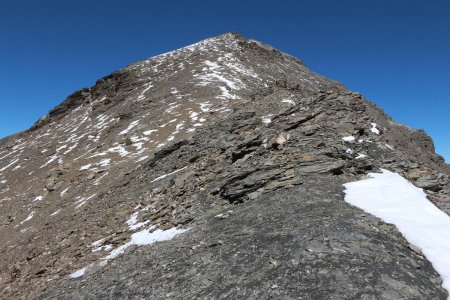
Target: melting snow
{"type": "Point", "coordinates": [394, 199]}
{"type": "Point", "coordinates": [194, 116]}
{"type": "Point", "coordinates": [118, 149]}
{"type": "Point", "coordinates": [82, 201]}
{"type": "Point", "coordinates": [148, 132]}
{"type": "Point", "coordinates": [55, 213]}
{"type": "Point", "coordinates": [63, 192]}
{"type": "Point", "coordinates": [103, 248]}
{"type": "Point", "coordinates": [289, 101]}
{"type": "Point", "coordinates": [144, 237]}
{"type": "Point", "coordinates": [205, 106]}
{"type": "Point", "coordinates": [374, 128]}
{"type": "Point", "coordinates": [28, 218]}
{"type": "Point", "coordinates": [360, 156]}
{"type": "Point", "coordinates": [348, 139]}
{"type": "Point", "coordinates": [141, 95]}
{"type": "Point", "coordinates": [165, 175]}
{"type": "Point", "coordinates": [78, 273]}
{"type": "Point", "coordinates": [86, 167]}
{"type": "Point", "coordinates": [38, 198]}
{"type": "Point", "coordinates": [131, 126]}
{"type": "Point", "coordinates": [105, 162]}
{"type": "Point", "coordinates": [98, 242]}
{"type": "Point", "coordinates": [142, 158]}
{"type": "Point", "coordinates": [133, 223]}
{"type": "Point", "coordinates": [12, 163]}
{"type": "Point", "coordinates": [267, 119]}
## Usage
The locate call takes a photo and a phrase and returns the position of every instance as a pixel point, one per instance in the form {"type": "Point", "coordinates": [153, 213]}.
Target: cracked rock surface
{"type": "Point", "coordinates": [233, 140]}
{"type": "Point", "coordinates": [304, 242]}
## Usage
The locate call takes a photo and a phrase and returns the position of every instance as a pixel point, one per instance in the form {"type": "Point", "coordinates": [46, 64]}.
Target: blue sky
{"type": "Point", "coordinates": [397, 53]}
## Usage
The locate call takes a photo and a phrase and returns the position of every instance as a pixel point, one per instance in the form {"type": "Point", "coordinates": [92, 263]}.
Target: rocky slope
{"type": "Point", "coordinates": [233, 140]}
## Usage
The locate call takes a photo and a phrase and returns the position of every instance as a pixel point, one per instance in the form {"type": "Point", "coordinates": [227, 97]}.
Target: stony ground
{"type": "Point", "coordinates": [299, 243]}
{"type": "Point", "coordinates": [170, 142]}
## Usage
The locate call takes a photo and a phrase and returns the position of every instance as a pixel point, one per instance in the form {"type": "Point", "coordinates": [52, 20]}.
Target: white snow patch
{"type": "Point", "coordinates": [131, 126]}
{"type": "Point", "coordinates": [119, 149]}
{"type": "Point", "coordinates": [78, 273]}
{"type": "Point", "coordinates": [348, 139]}
{"type": "Point", "coordinates": [12, 163]}
{"type": "Point", "coordinates": [142, 158]}
{"type": "Point", "coordinates": [389, 146]}
{"type": "Point", "coordinates": [63, 192]}
{"type": "Point", "coordinates": [38, 198]}
{"type": "Point", "coordinates": [226, 93]}
{"type": "Point", "coordinates": [82, 201]}
{"type": "Point", "coordinates": [148, 132]}
{"type": "Point", "coordinates": [374, 128]}
{"type": "Point", "coordinates": [105, 162]}
{"type": "Point", "coordinates": [106, 247]}
{"type": "Point", "coordinates": [133, 223]}
{"type": "Point", "coordinates": [55, 213]}
{"type": "Point", "coordinates": [349, 151]}
{"type": "Point", "coordinates": [86, 167]}
{"type": "Point", "coordinates": [97, 243]}
{"type": "Point", "coordinates": [165, 175]}
{"type": "Point", "coordinates": [267, 119]}
{"type": "Point", "coordinates": [141, 95]}
{"type": "Point", "coordinates": [205, 106]}
{"type": "Point", "coordinates": [194, 116]}
{"type": "Point", "coordinates": [289, 101]}
{"type": "Point", "coordinates": [394, 199]}
{"type": "Point", "coordinates": [144, 237]}
{"type": "Point", "coordinates": [30, 216]}
{"type": "Point", "coordinates": [360, 156]}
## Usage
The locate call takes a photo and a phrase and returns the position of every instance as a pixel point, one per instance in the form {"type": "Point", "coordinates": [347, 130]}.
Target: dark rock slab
{"type": "Point", "coordinates": [300, 243]}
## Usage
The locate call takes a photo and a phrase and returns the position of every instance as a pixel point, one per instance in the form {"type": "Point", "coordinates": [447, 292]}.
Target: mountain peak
{"type": "Point", "coordinates": [235, 148]}
{"type": "Point", "coordinates": [228, 63]}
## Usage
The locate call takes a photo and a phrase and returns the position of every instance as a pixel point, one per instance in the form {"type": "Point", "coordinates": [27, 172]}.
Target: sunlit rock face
{"type": "Point", "coordinates": [168, 153]}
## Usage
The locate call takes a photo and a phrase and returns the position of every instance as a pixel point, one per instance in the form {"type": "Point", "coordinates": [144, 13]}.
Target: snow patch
{"type": "Point", "coordinates": [148, 132]}
{"type": "Point", "coordinates": [104, 162]}
{"type": "Point", "coordinates": [267, 119]}
{"type": "Point", "coordinates": [78, 273]}
{"type": "Point", "coordinates": [360, 156]}
{"type": "Point", "coordinates": [131, 126]}
{"type": "Point", "coordinates": [133, 223]}
{"type": "Point", "coordinates": [289, 101]}
{"type": "Point", "coordinates": [38, 198]}
{"type": "Point", "coordinates": [165, 175]}
{"type": "Point", "coordinates": [86, 167]}
{"type": "Point", "coordinates": [63, 192]}
{"type": "Point", "coordinates": [30, 216]}
{"type": "Point", "coordinates": [55, 213]}
{"type": "Point", "coordinates": [145, 237]}
{"type": "Point", "coordinates": [142, 158]}
{"type": "Point", "coordinates": [394, 199]}
{"type": "Point", "coordinates": [348, 139]}
{"type": "Point", "coordinates": [374, 128]}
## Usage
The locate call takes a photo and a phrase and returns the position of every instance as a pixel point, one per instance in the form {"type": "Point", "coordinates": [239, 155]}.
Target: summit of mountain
{"type": "Point", "coordinates": [239, 150]}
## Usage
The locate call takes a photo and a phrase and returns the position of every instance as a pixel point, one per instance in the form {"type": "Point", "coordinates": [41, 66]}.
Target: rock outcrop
{"type": "Point", "coordinates": [236, 141]}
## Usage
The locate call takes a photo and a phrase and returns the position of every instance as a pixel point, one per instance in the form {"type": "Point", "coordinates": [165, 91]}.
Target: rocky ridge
{"type": "Point", "coordinates": [213, 137]}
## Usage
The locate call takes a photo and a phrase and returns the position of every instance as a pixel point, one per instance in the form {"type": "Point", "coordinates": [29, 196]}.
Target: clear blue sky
{"type": "Point", "coordinates": [397, 53]}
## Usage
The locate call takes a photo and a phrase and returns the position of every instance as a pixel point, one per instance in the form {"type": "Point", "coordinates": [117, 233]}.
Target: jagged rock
{"type": "Point", "coordinates": [428, 183]}
{"type": "Point", "coordinates": [227, 124]}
